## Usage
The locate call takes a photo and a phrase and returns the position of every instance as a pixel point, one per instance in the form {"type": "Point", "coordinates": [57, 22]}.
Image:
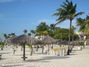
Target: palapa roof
{"type": "Point", "coordinates": [49, 40]}
{"type": "Point", "coordinates": [63, 43]}
{"type": "Point", "coordinates": [8, 41]}
{"type": "Point", "coordinates": [25, 39]}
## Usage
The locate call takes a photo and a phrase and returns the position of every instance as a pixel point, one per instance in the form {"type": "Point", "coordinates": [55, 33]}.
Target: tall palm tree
{"type": "Point", "coordinates": [25, 31]}
{"type": "Point", "coordinates": [52, 27]}
{"type": "Point", "coordinates": [12, 34]}
{"type": "Point", "coordinates": [29, 34]}
{"type": "Point", "coordinates": [67, 11]}
{"type": "Point", "coordinates": [83, 24]}
{"type": "Point", "coordinates": [5, 35]}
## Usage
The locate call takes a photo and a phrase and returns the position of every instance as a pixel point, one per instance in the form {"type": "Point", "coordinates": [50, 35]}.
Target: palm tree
{"type": "Point", "coordinates": [2, 45]}
{"type": "Point", "coordinates": [25, 31]}
{"type": "Point", "coordinates": [84, 27]}
{"type": "Point", "coordinates": [33, 31]}
{"type": "Point", "coordinates": [5, 35]}
{"type": "Point", "coordinates": [83, 24]}
{"type": "Point", "coordinates": [13, 34]}
{"type": "Point", "coordinates": [52, 27]}
{"type": "Point", "coordinates": [29, 34]}
{"type": "Point", "coordinates": [67, 11]}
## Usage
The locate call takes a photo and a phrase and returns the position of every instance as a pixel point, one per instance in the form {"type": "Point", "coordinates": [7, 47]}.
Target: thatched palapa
{"type": "Point", "coordinates": [49, 40]}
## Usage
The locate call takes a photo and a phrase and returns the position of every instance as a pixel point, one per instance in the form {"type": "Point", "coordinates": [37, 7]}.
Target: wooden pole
{"type": "Point", "coordinates": [24, 52]}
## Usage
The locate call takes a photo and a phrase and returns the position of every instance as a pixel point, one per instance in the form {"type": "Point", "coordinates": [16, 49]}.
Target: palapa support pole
{"type": "Point", "coordinates": [42, 49]}
{"type": "Point", "coordinates": [24, 52]}
{"type": "Point", "coordinates": [31, 51]}
{"type": "Point", "coordinates": [48, 49]}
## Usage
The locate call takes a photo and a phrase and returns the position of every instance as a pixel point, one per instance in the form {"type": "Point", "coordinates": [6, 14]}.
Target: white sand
{"type": "Point", "coordinates": [76, 59]}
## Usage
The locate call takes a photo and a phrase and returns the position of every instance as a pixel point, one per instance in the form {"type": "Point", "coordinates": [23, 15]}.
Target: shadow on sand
{"type": "Point", "coordinates": [73, 54]}
{"type": "Point", "coordinates": [10, 65]}
{"type": "Point", "coordinates": [47, 59]}
{"type": "Point", "coordinates": [2, 59]}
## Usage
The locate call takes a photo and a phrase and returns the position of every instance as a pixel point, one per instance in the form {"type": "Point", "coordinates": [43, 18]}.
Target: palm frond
{"type": "Point", "coordinates": [56, 14]}
{"type": "Point", "coordinates": [67, 1]}
{"type": "Point", "coordinates": [67, 11]}
{"type": "Point", "coordinates": [87, 18]}
{"type": "Point", "coordinates": [80, 13]}
{"type": "Point", "coordinates": [60, 9]}
{"type": "Point", "coordinates": [60, 19]}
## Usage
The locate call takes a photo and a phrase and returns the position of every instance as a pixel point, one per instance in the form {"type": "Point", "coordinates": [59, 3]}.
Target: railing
{"type": "Point", "coordinates": [60, 51]}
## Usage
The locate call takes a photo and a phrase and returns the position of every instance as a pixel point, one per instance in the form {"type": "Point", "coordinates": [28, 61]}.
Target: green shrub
{"type": "Point", "coordinates": [1, 44]}
{"type": "Point", "coordinates": [29, 45]}
{"type": "Point", "coordinates": [80, 44]}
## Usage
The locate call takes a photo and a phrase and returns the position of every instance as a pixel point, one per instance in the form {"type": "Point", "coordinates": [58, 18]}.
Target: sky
{"type": "Point", "coordinates": [17, 15]}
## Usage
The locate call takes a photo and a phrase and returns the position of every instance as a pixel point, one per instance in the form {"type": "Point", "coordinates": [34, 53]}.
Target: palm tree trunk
{"type": "Point", "coordinates": [69, 46]}
{"type": "Point", "coordinates": [61, 37]}
{"type": "Point", "coordinates": [70, 31]}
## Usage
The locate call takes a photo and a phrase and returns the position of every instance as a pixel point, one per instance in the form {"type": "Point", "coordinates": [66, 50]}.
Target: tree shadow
{"type": "Point", "coordinates": [36, 60]}
{"type": "Point", "coordinates": [12, 65]}
{"type": "Point", "coordinates": [47, 59]}
{"type": "Point", "coordinates": [73, 54]}
{"type": "Point", "coordinates": [18, 54]}
{"type": "Point", "coordinates": [4, 53]}
{"type": "Point", "coordinates": [54, 57]}
{"type": "Point", "coordinates": [2, 59]}
{"type": "Point", "coordinates": [30, 66]}
{"type": "Point", "coordinates": [41, 53]}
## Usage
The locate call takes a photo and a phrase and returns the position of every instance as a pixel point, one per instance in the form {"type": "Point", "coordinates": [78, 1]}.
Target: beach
{"type": "Point", "coordinates": [76, 59]}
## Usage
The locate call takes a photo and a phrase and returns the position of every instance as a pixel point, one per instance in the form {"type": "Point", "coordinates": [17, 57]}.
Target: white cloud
{"type": "Point", "coordinates": [3, 1]}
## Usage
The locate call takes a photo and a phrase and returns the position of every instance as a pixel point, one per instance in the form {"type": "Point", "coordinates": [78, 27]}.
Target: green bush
{"type": "Point", "coordinates": [29, 45]}
{"type": "Point", "coordinates": [80, 44]}
{"type": "Point", "coordinates": [1, 44]}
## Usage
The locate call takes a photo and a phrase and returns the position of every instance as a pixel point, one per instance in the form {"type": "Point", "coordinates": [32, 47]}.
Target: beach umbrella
{"type": "Point", "coordinates": [8, 41]}
{"type": "Point", "coordinates": [63, 43]}
{"type": "Point", "coordinates": [23, 40]}
{"type": "Point", "coordinates": [49, 40]}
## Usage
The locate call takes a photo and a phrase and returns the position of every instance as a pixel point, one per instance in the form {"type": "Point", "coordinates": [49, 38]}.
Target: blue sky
{"type": "Point", "coordinates": [17, 15]}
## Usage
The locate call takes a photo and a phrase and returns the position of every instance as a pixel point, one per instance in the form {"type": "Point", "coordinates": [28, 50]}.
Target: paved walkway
{"type": "Point", "coordinates": [76, 59]}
